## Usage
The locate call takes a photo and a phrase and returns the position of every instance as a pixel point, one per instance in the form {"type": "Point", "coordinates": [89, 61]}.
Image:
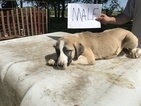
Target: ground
{"type": "Point", "coordinates": [61, 25]}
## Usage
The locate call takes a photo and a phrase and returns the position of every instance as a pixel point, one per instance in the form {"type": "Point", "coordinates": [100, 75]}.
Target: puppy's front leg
{"type": "Point", "coordinates": [81, 60]}
{"type": "Point", "coordinates": [51, 62]}
{"type": "Point", "coordinates": [89, 56]}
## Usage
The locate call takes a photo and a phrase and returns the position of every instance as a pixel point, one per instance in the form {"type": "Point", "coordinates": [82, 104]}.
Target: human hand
{"type": "Point", "coordinates": [104, 19]}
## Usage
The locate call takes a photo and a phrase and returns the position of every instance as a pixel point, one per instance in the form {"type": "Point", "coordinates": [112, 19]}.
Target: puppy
{"type": "Point", "coordinates": [94, 46]}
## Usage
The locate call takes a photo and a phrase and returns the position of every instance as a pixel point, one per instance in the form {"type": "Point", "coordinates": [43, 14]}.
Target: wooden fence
{"type": "Point", "coordinates": [23, 22]}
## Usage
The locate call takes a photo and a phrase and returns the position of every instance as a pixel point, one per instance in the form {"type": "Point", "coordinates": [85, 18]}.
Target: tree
{"type": "Point", "coordinates": [113, 5]}
{"type": "Point", "coordinates": [9, 4]}
{"type": "Point", "coordinates": [95, 1]}
{"type": "Point", "coordinates": [59, 6]}
{"type": "Point", "coordinates": [21, 3]}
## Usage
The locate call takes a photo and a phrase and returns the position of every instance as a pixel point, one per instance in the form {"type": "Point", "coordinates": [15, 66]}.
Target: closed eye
{"type": "Point", "coordinates": [67, 51]}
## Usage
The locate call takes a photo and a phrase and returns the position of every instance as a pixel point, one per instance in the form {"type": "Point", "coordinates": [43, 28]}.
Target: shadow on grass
{"type": "Point", "coordinates": [61, 25]}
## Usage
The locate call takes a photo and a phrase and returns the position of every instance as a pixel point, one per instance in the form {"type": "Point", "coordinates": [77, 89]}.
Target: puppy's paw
{"type": "Point", "coordinates": [135, 53]}
{"type": "Point", "coordinates": [51, 62]}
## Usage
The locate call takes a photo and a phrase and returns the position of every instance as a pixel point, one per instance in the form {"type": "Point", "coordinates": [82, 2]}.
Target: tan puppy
{"type": "Point", "coordinates": [94, 46]}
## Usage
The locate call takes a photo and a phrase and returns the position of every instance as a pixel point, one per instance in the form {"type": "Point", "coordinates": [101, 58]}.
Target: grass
{"type": "Point", "coordinates": [61, 25]}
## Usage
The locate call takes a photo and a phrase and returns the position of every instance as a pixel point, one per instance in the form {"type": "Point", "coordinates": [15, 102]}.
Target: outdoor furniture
{"type": "Point", "coordinates": [26, 80]}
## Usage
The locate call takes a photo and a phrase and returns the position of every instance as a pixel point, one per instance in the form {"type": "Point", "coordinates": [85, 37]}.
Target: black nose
{"type": "Point", "coordinates": [60, 65]}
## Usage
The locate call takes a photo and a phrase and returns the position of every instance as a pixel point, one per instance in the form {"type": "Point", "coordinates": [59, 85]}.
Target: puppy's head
{"type": "Point", "coordinates": [67, 51]}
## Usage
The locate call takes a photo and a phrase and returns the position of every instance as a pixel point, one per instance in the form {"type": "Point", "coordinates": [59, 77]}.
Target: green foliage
{"type": "Point", "coordinates": [7, 4]}
{"type": "Point", "coordinates": [95, 1]}
{"type": "Point", "coordinates": [59, 6]}
{"type": "Point", "coordinates": [114, 5]}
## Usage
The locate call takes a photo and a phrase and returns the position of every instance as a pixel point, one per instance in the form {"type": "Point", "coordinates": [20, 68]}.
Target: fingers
{"type": "Point", "coordinates": [103, 19]}
{"type": "Point", "coordinates": [103, 15]}
{"type": "Point", "coordinates": [100, 18]}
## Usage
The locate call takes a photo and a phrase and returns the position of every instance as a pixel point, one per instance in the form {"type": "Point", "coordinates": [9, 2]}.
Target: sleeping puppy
{"type": "Point", "coordinates": [94, 46]}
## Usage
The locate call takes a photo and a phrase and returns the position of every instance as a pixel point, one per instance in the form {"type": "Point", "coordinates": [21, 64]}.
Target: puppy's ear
{"type": "Point", "coordinates": [79, 49]}
{"type": "Point", "coordinates": [54, 45]}
{"type": "Point", "coordinates": [57, 43]}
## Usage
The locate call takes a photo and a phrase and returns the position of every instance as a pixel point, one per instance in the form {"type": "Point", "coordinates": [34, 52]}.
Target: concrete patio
{"type": "Point", "coordinates": [26, 80]}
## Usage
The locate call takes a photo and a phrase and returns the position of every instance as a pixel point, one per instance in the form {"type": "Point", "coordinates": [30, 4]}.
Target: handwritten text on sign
{"type": "Point", "coordinates": [83, 15]}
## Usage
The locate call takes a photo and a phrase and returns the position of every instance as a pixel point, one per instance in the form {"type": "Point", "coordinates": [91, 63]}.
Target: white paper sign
{"type": "Point", "coordinates": [83, 15]}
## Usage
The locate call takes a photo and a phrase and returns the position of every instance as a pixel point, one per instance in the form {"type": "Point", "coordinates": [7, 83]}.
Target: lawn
{"type": "Point", "coordinates": [61, 25]}
{"type": "Point", "coordinates": [56, 24]}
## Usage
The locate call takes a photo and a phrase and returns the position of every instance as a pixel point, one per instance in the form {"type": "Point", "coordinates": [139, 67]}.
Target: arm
{"type": "Point", "coordinates": [120, 19]}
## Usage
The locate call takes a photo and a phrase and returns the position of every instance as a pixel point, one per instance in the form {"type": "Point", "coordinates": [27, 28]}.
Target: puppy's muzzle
{"type": "Point", "coordinates": [61, 66]}
{"type": "Point", "coordinates": [62, 63]}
